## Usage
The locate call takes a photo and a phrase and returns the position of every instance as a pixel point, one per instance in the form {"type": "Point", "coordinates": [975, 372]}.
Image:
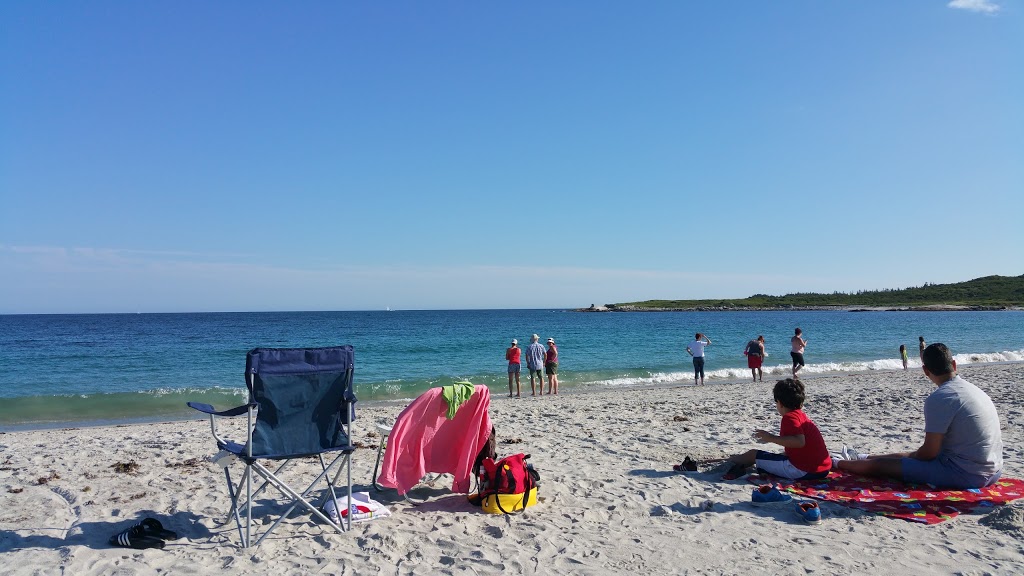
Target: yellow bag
{"type": "Point", "coordinates": [508, 503]}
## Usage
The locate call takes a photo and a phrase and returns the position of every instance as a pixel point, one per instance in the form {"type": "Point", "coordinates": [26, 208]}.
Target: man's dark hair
{"type": "Point", "coordinates": [790, 393]}
{"type": "Point", "coordinates": [937, 359]}
{"type": "Point", "coordinates": [798, 332]}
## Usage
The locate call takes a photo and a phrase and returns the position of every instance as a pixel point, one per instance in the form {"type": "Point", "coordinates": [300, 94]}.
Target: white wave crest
{"type": "Point", "coordinates": [985, 358]}
{"type": "Point", "coordinates": [781, 370]}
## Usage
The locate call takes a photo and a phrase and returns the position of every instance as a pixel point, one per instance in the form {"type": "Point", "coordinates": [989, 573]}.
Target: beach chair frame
{"type": "Point", "coordinates": [307, 399]}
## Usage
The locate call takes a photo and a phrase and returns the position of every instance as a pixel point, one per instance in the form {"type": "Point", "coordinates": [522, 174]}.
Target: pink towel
{"type": "Point", "coordinates": [424, 441]}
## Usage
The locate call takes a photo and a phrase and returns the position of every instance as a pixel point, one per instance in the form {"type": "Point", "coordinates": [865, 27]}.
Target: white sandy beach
{"type": "Point", "coordinates": [610, 502]}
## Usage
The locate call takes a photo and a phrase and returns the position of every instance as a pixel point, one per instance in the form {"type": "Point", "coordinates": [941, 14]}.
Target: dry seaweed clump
{"type": "Point", "coordinates": [130, 467]}
{"type": "Point", "coordinates": [189, 465]}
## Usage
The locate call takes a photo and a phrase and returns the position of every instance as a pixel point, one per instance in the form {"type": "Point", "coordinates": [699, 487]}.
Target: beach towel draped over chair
{"type": "Point", "coordinates": [301, 404]}
{"type": "Point", "coordinates": [423, 440]}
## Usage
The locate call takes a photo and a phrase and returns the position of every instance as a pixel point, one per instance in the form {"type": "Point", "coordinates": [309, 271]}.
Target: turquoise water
{"type": "Point", "coordinates": [58, 369]}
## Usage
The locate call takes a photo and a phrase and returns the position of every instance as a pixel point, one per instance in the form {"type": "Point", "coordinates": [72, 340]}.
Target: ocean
{"type": "Point", "coordinates": [57, 370]}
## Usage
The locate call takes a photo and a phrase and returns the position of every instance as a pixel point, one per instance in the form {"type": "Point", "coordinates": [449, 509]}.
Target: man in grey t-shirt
{"type": "Point", "coordinates": [963, 447]}
{"type": "Point", "coordinates": [535, 363]}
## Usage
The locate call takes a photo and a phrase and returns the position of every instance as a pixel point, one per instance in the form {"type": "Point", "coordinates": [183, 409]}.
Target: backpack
{"type": "Point", "coordinates": [508, 484]}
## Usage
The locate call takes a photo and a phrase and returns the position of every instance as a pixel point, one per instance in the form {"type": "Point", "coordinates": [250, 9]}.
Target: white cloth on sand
{"type": "Point", "coordinates": [362, 508]}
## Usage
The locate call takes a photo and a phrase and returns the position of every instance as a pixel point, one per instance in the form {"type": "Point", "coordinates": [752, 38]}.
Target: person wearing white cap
{"type": "Point", "coordinates": [535, 363]}
{"type": "Point", "coordinates": [513, 355]}
{"type": "Point", "coordinates": [551, 366]}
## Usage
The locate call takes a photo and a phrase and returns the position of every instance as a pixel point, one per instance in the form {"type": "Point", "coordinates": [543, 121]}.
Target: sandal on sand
{"type": "Point", "coordinates": [154, 528]}
{"type": "Point", "coordinates": [146, 534]}
{"type": "Point", "coordinates": [136, 537]}
{"type": "Point", "coordinates": [688, 465]}
{"type": "Point", "coordinates": [735, 471]}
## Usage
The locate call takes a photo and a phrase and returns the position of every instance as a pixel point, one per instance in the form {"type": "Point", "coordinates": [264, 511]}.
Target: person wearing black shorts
{"type": "Point", "coordinates": [798, 351]}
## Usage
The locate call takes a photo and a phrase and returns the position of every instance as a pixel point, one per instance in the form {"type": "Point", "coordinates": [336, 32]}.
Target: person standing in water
{"type": "Point", "coordinates": [551, 366]}
{"type": "Point", "coordinates": [696, 349]}
{"type": "Point", "coordinates": [755, 356]}
{"type": "Point", "coordinates": [798, 351]}
{"type": "Point", "coordinates": [513, 355]}
{"type": "Point", "coordinates": [903, 355]}
{"type": "Point", "coordinates": [920, 347]}
{"type": "Point", "coordinates": [535, 364]}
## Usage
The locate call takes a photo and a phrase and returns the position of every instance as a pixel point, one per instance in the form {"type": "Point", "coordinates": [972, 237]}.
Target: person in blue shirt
{"type": "Point", "coordinates": [535, 364]}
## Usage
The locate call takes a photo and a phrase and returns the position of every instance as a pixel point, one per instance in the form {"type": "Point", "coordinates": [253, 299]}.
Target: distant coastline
{"type": "Point", "coordinates": [980, 294]}
{"type": "Point", "coordinates": [925, 308]}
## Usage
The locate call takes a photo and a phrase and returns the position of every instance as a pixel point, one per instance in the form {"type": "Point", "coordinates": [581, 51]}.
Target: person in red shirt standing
{"type": "Point", "coordinates": [513, 355]}
{"type": "Point", "coordinates": [805, 458]}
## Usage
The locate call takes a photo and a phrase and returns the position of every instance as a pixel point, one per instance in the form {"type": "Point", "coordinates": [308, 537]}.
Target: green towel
{"type": "Point", "coordinates": [456, 395]}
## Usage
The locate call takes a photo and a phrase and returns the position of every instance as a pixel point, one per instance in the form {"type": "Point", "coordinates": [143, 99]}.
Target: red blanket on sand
{"type": "Point", "coordinates": [912, 502]}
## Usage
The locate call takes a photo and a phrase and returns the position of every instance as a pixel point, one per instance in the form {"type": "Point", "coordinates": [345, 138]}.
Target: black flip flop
{"type": "Point", "coordinates": [688, 465]}
{"type": "Point", "coordinates": [149, 533]}
{"type": "Point", "coordinates": [135, 537]}
{"type": "Point", "coordinates": [152, 527]}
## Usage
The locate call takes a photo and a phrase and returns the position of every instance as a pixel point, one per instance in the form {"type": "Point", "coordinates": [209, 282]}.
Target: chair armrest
{"type": "Point", "coordinates": [208, 409]}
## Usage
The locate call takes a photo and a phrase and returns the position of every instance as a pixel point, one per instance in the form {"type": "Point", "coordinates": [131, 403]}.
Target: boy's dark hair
{"type": "Point", "coordinates": [937, 359]}
{"type": "Point", "coordinates": [790, 393]}
{"type": "Point", "coordinates": [798, 332]}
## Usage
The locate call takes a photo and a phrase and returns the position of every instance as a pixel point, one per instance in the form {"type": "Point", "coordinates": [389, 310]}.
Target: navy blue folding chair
{"type": "Point", "coordinates": [301, 404]}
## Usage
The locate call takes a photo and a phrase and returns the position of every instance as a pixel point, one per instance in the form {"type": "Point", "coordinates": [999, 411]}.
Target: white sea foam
{"type": "Point", "coordinates": [781, 370]}
{"type": "Point", "coordinates": [982, 358]}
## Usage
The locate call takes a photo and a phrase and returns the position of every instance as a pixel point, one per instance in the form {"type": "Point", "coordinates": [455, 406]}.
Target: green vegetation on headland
{"type": "Point", "coordinates": [988, 293]}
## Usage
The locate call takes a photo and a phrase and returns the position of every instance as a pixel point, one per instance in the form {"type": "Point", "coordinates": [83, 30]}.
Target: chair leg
{"type": "Point", "coordinates": [300, 498]}
{"type": "Point", "coordinates": [330, 490]}
{"type": "Point", "coordinates": [270, 479]}
{"type": "Point", "coordinates": [234, 505]}
{"type": "Point", "coordinates": [266, 482]}
{"type": "Point", "coordinates": [348, 466]}
{"type": "Point", "coordinates": [376, 466]}
{"type": "Point", "coordinates": [248, 509]}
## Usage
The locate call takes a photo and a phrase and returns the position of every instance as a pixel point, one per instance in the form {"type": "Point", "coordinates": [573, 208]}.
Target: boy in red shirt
{"type": "Point", "coordinates": [806, 457]}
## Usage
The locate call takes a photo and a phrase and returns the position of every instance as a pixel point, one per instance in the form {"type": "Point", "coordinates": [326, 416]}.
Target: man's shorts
{"type": "Point", "coordinates": [536, 373]}
{"type": "Point", "coordinates": [779, 465]}
{"type": "Point", "coordinates": [551, 369]}
{"type": "Point", "coordinates": [514, 368]}
{"type": "Point", "coordinates": [798, 358]}
{"type": "Point", "coordinates": [942, 474]}
{"type": "Point", "coordinates": [753, 361]}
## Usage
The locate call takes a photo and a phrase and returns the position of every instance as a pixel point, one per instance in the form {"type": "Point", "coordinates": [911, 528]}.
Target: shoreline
{"type": "Point", "coordinates": [609, 500]}
{"type": "Point", "coordinates": [497, 394]}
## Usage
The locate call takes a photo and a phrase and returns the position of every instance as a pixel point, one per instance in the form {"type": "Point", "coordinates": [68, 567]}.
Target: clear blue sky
{"type": "Point", "coordinates": [203, 156]}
